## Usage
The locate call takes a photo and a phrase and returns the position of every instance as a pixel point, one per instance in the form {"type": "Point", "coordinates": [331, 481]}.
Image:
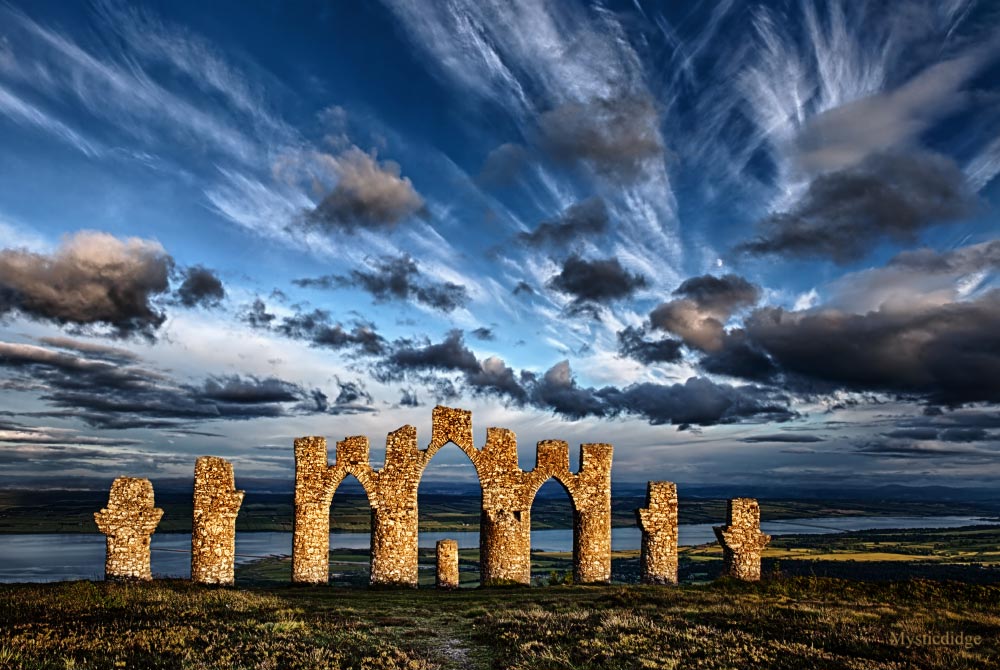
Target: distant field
{"type": "Point", "coordinates": [788, 623]}
{"type": "Point", "coordinates": [72, 511]}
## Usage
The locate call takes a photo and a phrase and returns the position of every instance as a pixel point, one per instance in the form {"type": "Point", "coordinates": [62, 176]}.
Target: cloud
{"type": "Point", "coordinates": [485, 334]}
{"type": "Point", "coordinates": [697, 401]}
{"type": "Point", "coordinates": [107, 394]}
{"type": "Point", "coordinates": [201, 286]}
{"type": "Point", "coordinates": [523, 288]}
{"type": "Point", "coordinates": [616, 137]}
{"type": "Point", "coordinates": [369, 194]}
{"type": "Point", "coordinates": [595, 282]}
{"type": "Point", "coordinates": [700, 315]}
{"type": "Point", "coordinates": [585, 218]}
{"type": "Point", "coordinates": [632, 343]}
{"type": "Point", "coordinates": [396, 278]}
{"type": "Point", "coordinates": [503, 165]}
{"type": "Point", "coordinates": [92, 279]}
{"type": "Point", "coordinates": [946, 353]}
{"type": "Point", "coordinates": [844, 136]}
{"type": "Point", "coordinates": [497, 378]}
{"type": "Point", "coordinates": [791, 438]}
{"type": "Point", "coordinates": [891, 195]}
{"type": "Point", "coordinates": [317, 327]}
{"type": "Point", "coordinates": [449, 355]}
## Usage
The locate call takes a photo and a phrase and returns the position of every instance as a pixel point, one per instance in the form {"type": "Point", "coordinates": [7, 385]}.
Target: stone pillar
{"type": "Point", "coordinates": [658, 521]}
{"type": "Point", "coordinates": [591, 495]}
{"type": "Point", "coordinates": [394, 546]}
{"type": "Point", "coordinates": [504, 547]}
{"type": "Point", "coordinates": [741, 540]}
{"type": "Point", "coordinates": [311, 532]}
{"type": "Point", "coordinates": [128, 521]}
{"type": "Point", "coordinates": [447, 564]}
{"type": "Point", "coordinates": [213, 527]}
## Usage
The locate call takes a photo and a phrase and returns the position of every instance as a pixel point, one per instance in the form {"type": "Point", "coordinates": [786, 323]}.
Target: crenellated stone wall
{"type": "Point", "coordinates": [213, 527]}
{"type": "Point", "coordinates": [128, 521]}
{"type": "Point", "coordinates": [447, 564]}
{"type": "Point", "coordinates": [507, 494]}
{"type": "Point", "coordinates": [741, 540]}
{"type": "Point", "coordinates": [658, 521]}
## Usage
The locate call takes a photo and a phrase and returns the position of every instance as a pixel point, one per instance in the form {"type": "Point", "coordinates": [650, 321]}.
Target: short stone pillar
{"type": "Point", "coordinates": [741, 540]}
{"type": "Point", "coordinates": [128, 521]}
{"type": "Point", "coordinates": [658, 521]}
{"type": "Point", "coordinates": [447, 564]}
{"type": "Point", "coordinates": [213, 528]}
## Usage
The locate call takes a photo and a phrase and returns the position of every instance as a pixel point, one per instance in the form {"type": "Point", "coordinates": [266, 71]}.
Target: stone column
{"type": "Point", "coordinates": [128, 521]}
{"type": "Point", "coordinates": [591, 495]}
{"type": "Point", "coordinates": [213, 527]}
{"type": "Point", "coordinates": [311, 532]}
{"type": "Point", "coordinates": [504, 547]}
{"type": "Point", "coordinates": [658, 521]}
{"type": "Point", "coordinates": [741, 540]}
{"type": "Point", "coordinates": [394, 546]}
{"type": "Point", "coordinates": [447, 564]}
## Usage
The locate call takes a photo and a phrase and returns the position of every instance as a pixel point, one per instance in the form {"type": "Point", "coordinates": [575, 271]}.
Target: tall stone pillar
{"type": "Point", "coordinates": [128, 521]}
{"type": "Point", "coordinates": [741, 540]}
{"type": "Point", "coordinates": [394, 510]}
{"type": "Point", "coordinates": [311, 531]}
{"type": "Point", "coordinates": [658, 521]}
{"type": "Point", "coordinates": [591, 495]}
{"type": "Point", "coordinates": [213, 527]}
{"type": "Point", "coordinates": [447, 564]}
{"type": "Point", "coordinates": [504, 547]}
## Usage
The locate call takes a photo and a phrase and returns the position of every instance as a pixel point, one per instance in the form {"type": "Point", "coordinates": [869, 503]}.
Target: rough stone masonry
{"type": "Point", "coordinates": [128, 521]}
{"type": "Point", "coordinates": [507, 494]}
{"type": "Point", "coordinates": [213, 527]}
{"type": "Point", "coordinates": [658, 521]}
{"type": "Point", "coordinates": [447, 564]}
{"type": "Point", "coordinates": [741, 540]}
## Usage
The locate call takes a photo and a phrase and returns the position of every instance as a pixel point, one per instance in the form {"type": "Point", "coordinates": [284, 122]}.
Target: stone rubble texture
{"type": "Point", "coordinates": [658, 521]}
{"type": "Point", "coordinates": [213, 528]}
{"type": "Point", "coordinates": [741, 540]}
{"type": "Point", "coordinates": [507, 494]}
{"type": "Point", "coordinates": [447, 564]}
{"type": "Point", "coordinates": [128, 521]}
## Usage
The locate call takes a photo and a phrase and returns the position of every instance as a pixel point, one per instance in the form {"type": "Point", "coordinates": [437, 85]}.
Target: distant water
{"type": "Point", "coordinates": [61, 556]}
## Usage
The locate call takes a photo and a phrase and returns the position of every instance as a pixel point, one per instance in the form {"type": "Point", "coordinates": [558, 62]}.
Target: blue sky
{"type": "Point", "coordinates": [744, 242]}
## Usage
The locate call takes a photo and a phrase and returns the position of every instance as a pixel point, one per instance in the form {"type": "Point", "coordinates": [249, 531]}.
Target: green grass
{"type": "Point", "coordinates": [780, 623]}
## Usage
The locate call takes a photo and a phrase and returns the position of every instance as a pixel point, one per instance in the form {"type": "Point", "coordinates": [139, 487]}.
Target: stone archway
{"type": "Point", "coordinates": [507, 494]}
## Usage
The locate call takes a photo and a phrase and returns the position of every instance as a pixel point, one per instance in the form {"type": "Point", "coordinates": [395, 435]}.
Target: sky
{"type": "Point", "coordinates": [746, 243]}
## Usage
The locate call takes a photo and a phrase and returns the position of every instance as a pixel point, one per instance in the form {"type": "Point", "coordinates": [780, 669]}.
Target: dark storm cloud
{"type": "Point", "coordinates": [495, 377]}
{"type": "Point", "coordinates": [503, 165]}
{"type": "Point", "coordinates": [697, 401]}
{"type": "Point", "coordinates": [408, 398]}
{"type": "Point", "coordinates": [595, 282]}
{"type": "Point", "coordinates": [449, 355]}
{"type": "Point", "coordinates": [523, 288]}
{"type": "Point", "coordinates": [586, 218]}
{"type": "Point", "coordinates": [201, 286]}
{"type": "Point", "coordinates": [108, 394]}
{"type": "Point", "coordinates": [904, 449]}
{"type": "Point", "coordinates": [316, 327]}
{"type": "Point", "coordinates": [369, 194]}
{"type": "Point", "coordinates": [632, 343]}
{"type": "Point", "coordinates": [946, 353]}
{"type": "Point", "coordinates": [92, 279]}
{"type": "Point", "coordinates": [699, 315]}
{"type": "Point", "coordinates": [736, 357]}
{"type": "Point", "coordinates": [615, 137]}
{"type": "Point", "coordinates": [396, 278]}
{"type": "Point", "coordinates": [887, 196]}
{"type": "Point", "coordinates": [483, 333]}
{"type": "Point", "coordinates": [790, 438]}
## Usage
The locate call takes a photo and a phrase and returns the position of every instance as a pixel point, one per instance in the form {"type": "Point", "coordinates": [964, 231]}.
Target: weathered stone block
{"type": "Point", "coordinates": [213, 527]}
{"type": "Point", "coordinates": [658, 521]}
{"type": "Point", "coordinates": [741, 540]}
{"type": "Point", "coordinates": [128, 521]}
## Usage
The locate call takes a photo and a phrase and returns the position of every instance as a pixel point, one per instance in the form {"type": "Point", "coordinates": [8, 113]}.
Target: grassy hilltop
{"type": "Point", "coordinates": [791, 623]}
